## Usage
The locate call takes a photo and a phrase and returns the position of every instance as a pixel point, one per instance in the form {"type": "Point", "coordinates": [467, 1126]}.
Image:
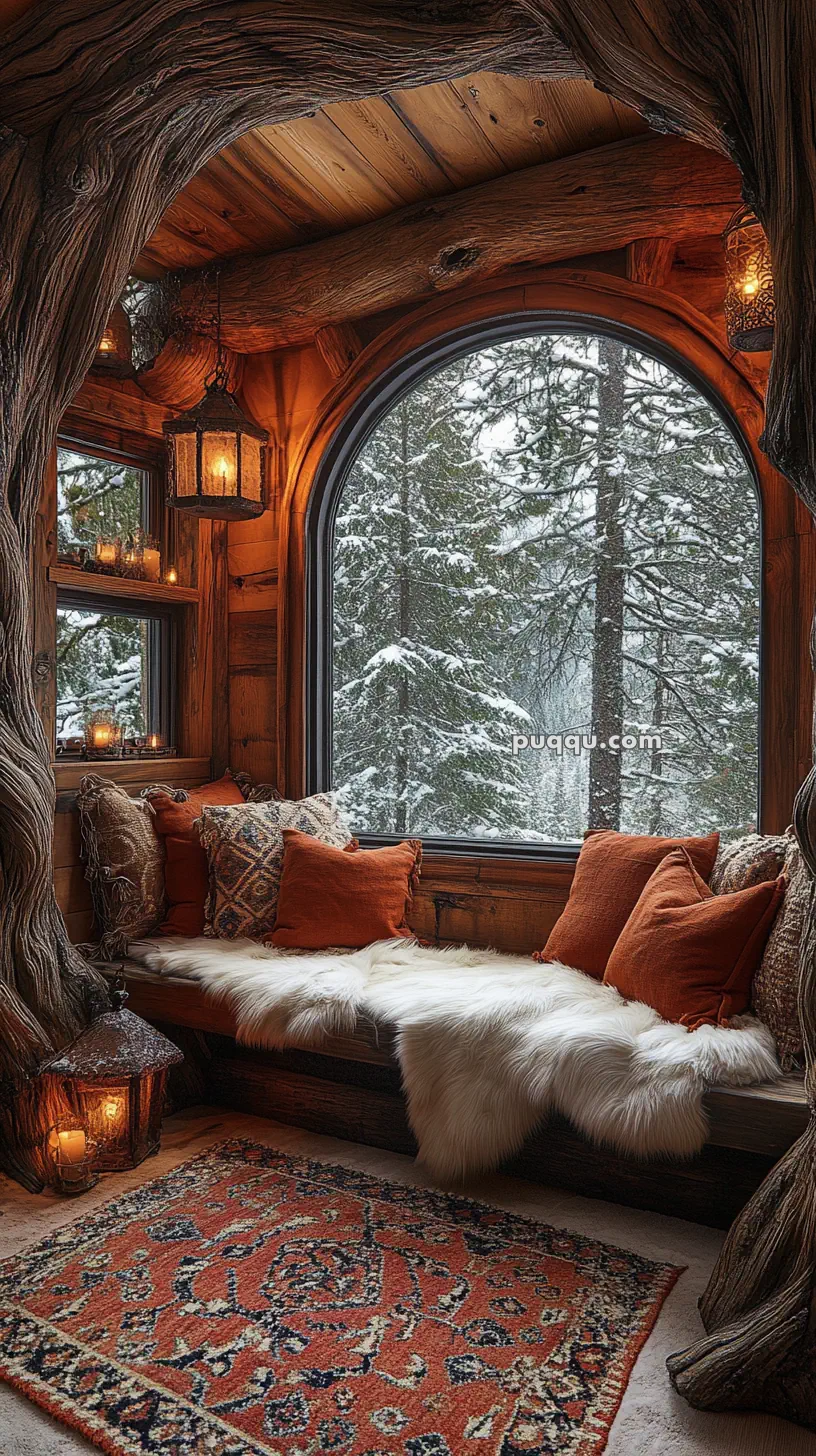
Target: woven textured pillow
{"type": "Point", "coordinates": [244, 847]}
{"type": "Point", "coordinates": [748, 861]}
{"type": "Point", "coordinates": [774, 995]}
{"type": "Point", "coordinates": [176, 813]}
{"type": "Point", "coordinates": [124, 864]}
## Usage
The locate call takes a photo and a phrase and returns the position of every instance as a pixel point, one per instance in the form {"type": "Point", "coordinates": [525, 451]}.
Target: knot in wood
{"type": "Point", "coordinates": [454, 261]}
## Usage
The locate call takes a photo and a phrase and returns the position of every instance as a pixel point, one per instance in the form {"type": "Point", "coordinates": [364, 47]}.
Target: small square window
{"type": "Point", "coordinates": [97, 497]}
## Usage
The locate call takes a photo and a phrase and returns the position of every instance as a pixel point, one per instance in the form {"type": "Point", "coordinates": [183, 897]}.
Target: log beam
{"type": "Point", "coordinates": [649, 261]}
{"type": "Point", "coordinates": [594, 201]}
{"type": "Point", "coordinates": [178, 375]}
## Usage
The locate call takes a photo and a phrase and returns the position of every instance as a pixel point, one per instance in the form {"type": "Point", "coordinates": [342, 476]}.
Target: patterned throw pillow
{"type": "Point", "coordinates": [256, 793]}
{"type": "Point", "coordinates": [748, 861]}
{"type": "Point", "coordinates": [124, 864]}
{"type": "Point", "coordinates": [775, 983]}
{"type": "Point", "coordinates": [244, 847]}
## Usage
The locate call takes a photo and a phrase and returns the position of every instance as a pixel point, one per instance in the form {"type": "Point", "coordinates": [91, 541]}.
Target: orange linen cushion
{"type": "Point", "coordinates": [185, 870]}
{"type": "Point", "coordinates": [689, 953]}
{"type": "Point", "coordinates": [612, 870]}
{"type": "Point", "coordinates": [332, 896]}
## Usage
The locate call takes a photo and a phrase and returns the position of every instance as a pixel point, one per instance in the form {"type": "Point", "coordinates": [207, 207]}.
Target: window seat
{"type": "Point", "coordinates": [349, 1087]}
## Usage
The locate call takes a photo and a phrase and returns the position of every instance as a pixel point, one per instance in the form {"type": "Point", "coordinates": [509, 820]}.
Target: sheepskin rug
{"type": "Point", "coordinates": [488, 1044]}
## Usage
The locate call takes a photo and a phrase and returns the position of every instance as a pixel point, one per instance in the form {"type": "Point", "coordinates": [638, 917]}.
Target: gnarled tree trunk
{"type": "Point", "coordinates": [105, 113]}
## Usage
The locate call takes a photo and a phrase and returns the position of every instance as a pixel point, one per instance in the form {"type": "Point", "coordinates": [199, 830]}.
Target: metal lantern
{"type": "Point", "coordinates": [216, 455]}
{"type": "Point", "coordinates": [750, 309]}
{"type": "Point", "coordinates": [114, 352]}
{"type": "Point", "coordinates": [115, 1075]}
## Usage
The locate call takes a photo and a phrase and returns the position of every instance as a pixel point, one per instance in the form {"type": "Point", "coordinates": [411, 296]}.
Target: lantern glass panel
{"type": "Point", "coordinates": [219, 463]}
{"type": "Point", "coordinates": [107, 1113]}
{"type": "Point", "coordinates": [185, 452]}
{"type": "Point", "coordinates": [251, 467]}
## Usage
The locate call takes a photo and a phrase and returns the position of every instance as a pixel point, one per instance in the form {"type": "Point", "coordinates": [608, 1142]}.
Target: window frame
{"type": "Point", "coordinates": [146, 455]}
{"type": "Point", "coordinates": [362, 419]}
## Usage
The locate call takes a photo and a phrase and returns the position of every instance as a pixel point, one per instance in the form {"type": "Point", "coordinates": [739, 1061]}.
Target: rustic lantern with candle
{"type": "Point", "coordinates": [70, 1155]}
{"type": "Point", "coordinates": [115, 1075]}
{"type": "Point", "coordinates": [750, 308]}
{"type": "Point", "coordinates": [216, 456]}
{"type": "Point", "coordinates": [103, 735]}
{"type": "Point", "coordinates": [114, 352]}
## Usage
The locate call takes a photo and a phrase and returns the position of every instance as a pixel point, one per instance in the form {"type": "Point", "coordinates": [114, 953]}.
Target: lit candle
{"type": "Point", "coordinates": [151, 561]}
{"type": "Point", "coordinates": [113, 1108]}
{"type": "Point", "coordinates": [102, 735]}
{"type": "Point", "coordinates": [105, 553]}
{"type": "Point", "coordinates": [72, 1146]}
{"type": "Point", "coordinates": [221, 470]}
{"type": "Point", "coordinates": [154, 740]}
{"type": "Point", "coordinates": [106, 343]}
{"type": "Point", "coordinates": [172, 576]}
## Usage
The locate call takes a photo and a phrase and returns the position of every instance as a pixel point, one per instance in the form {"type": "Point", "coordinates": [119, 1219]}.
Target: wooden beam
{"type": "Point", "coordinates": [596, 200]}
{"type": "Point", "coordinates": [338, 345]}
{"type": "Point", "coordinates": [649, 260]}
{"type": "Point", "coordinates": [178, 375]}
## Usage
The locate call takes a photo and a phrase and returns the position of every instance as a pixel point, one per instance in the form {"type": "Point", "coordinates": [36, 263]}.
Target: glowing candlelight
{"type": "Point", "coordinates": [107, 343]}
{"type": "Point", "coordinates": [113, 1108]}
{"type": "Point", "coordinates": [221, 471]}
{"type": "Point", "coordinates": [151, 561]}
{"type": "Point", "coordinates": [172, 576]}
{"type": "Point", "coordinates": [153, 741]}
{"type": "Point", "coordinates": [72, 1146]}
{"type": "Point", "coordinates": [102, 734]}
{"type": "Point", "coordinates": [105, 553]}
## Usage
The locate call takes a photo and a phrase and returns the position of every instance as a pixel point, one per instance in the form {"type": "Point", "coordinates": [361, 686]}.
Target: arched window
{"type": "Point", "coordinates": [545, 576]}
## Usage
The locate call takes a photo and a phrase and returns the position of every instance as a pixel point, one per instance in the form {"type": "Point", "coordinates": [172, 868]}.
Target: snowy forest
{"type": "Point", "coordinates": [556, 533]}
{"type": "Point", "coordinates": [101, 656]}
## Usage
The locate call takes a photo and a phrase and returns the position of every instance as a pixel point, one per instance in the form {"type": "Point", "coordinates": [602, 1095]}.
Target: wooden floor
{"type": "Point", "coordinates": [652, 1421]}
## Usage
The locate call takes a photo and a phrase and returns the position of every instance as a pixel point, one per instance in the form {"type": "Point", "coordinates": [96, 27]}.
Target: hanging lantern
{"type": "Point", "coordinates": [750, 310]}
{"type": "Point", "coordinates": [114, 352]}
{"type": "Point", "coordinates": [216, 455]}
{"type": "Point", "coordinates": [115, 1074]}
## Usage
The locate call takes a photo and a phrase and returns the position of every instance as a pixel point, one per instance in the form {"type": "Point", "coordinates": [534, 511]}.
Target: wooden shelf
{"type": "Point", "coordinates": [95, 584]}
{"type": "Point", "coordinates": [135, 773]}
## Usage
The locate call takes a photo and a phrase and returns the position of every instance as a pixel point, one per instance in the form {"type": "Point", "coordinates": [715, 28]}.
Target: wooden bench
{"type": "Point", "coordinates": [349, 1087]}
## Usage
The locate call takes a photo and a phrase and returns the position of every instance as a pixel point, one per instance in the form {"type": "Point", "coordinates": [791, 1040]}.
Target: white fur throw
{"type": "Point", "coordinates": [488, 1044]}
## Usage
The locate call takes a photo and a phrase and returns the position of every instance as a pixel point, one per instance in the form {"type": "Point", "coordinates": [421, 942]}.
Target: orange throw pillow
{"type": "Point", "coordinates": [689, 953]}
{"type": "Point", "coordinates": [333, 896]}
{"type": "Point", "coordinates": [185, 869]}
{"type": "Point", "coordinates": [612, 870]}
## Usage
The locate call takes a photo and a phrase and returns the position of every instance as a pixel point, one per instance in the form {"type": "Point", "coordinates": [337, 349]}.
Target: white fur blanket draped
{"type": "Point", "coordinates": [488, 1043]}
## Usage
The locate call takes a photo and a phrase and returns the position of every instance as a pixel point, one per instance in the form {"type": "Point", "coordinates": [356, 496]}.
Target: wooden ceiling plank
{"type": "Point", "coordinates": [439, 118]}
{"type": "Point", "coordinates": [382, 137]}
{"type": "Point", "coordinates": [265, 169]}
{"type": "Point", "coordinates": [333, 169]}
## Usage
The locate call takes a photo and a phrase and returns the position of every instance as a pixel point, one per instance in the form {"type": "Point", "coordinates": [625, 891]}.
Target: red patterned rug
{"type": "Point", "coordinates": [252, 1304]}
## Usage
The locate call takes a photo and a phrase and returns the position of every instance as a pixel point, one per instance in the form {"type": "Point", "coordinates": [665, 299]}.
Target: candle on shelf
{"type": "Point", "coordinates": [151, 561]}
{"type": "Point", "coordinates": [172, 576]}
{"type": "Point", "coordinates": [153, 741]}
{"type": "Point", "coordinates": [106, 553]}
{"type": "Point", "coordinates": [102, 735]}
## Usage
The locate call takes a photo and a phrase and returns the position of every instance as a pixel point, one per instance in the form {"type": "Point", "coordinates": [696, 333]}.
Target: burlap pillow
{"type": "Point", "coordinates": [244, 847]}
{"type": "Point", "coordinates": [748, 861]}
{"type": "Point", "coordinates": [775, 983]}
{"type": "Point", "coordinates": [124, 864]}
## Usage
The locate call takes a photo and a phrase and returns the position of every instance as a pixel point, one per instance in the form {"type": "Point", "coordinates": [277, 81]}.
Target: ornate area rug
{"type": "Point", "coordinates": [252, 1304]}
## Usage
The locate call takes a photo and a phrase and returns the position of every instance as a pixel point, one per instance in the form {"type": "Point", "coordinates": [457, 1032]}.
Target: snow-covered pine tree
{"type": "Point", "coordinates": [422, 720]}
